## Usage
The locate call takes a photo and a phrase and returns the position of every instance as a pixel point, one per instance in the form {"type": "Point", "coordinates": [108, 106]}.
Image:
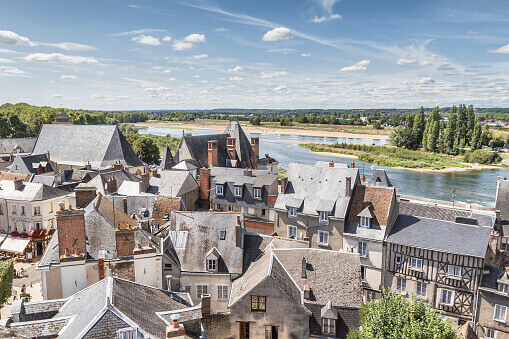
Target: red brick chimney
{"type": "Point", "coordinates": [248, 172]}
{"type": "Point", "coordinates": [18, 183]}
{"type": "Point", "coordinates": [101, 268]}
{"type": "Point", "coordinates": [175, 330]}
{"type": "Point", "coordinates": [111, 185]}
{"type": "Point", "coordinates": [205, 304]}
{"type": "Point", "coordinates": [239, 234]}
{"type": "Point", "coordinates": [230, 145]}
{"type": "Point", "coordinates": [154, 172]}
{"type": "Point", "coordinates": [255, 151]}
{"type": "Point", "coordinates": [11, 157]}
{"type": "Point", "coordinates": [352, 165]}
{"type": "Point", "coordinates": [331, 163]}
{"type": "Point", "coordinates": [348, 184]}
{"type": "Point", "coordinates": [213, 153]}
{"type": "Point", "coordinates": [284, 183]}
{"type": "Point", "coordinates": [71, 234]}
{"type": "Point", "coordinates": [117, 166]}
{"type": "Point", "coordinates": [84, 195]}
{"type": "Point", "coordinates": [204, 183]}
{"type": "Point", "coordinates": [124, 239]}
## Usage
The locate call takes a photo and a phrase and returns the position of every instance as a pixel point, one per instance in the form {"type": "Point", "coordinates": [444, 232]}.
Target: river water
{"type": "Point", "coordinates": [477, 186]}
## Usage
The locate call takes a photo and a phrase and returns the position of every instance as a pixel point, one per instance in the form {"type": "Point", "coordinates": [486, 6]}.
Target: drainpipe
{"type": "Point", "coordinates": [384, 259]}
{"type": "Point", "coordinates": [476, 299]}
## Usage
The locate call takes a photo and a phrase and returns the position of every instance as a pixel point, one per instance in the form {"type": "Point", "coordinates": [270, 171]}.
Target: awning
{"type": "Point", "coordinates": [14, 245]}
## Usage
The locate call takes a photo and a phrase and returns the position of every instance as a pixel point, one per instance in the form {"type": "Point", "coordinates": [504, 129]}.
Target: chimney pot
{"type": "Point", "coordinates": [66, 252]}
{"type": "Point", "coordinates": [352, 165]}
{"type": "Point", "coordinates": [62, 206]}
{"type": "Point", "coordinates": [304, 274]}
{"type": "Point", "coordinates": [331, 163]}
{"type": "Point", "coordinates": [238, 220]}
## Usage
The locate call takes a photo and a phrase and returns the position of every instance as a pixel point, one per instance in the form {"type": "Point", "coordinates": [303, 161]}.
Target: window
{"type": "Point", "coordinates": [238, 191]}
{"type": "Point", "coordinates": [257, 193]}
{"type": "Point", "coordinates": [323, 238]}
{"type": "Point", "coordinates": [250, 211]}
{"type": "Point", "coordinates": [263, 211]}
{"type": "Point", "coordinates": [230, 208]}
{"type": "Point", "coordinates": [1, 210]}
{"type": "Point", "coordinates": [421, 289]}
{"type": "Point", "coordinates": [292, 212]}
{"type": "Point", "coordinates": [243, 330]}
{"type": "Point", "coordinates": [217, 207]}
{"type": "Point", "coordinates": [365, 221]}
{"type": "Point", "coordinates": [271, 332]}
{"type": "Point", "coordinates": [362, 248]}
{"type": "Point", "coordinates": [447, 297]}
{"type": "Point", "coordinates": [222, 292]}
{"type": "Point", "coordinates": [200, 290]}
{"type": "Point", "coordinates": [211, 264]}
{"type": "Point", "coordinates": [398, 260]}
{"type": "Point", "coordinates": [14, 209]}
{"type": "Point", "coordinates": [37, 210]}
{"type": "Point", "coordinates": [127, 333]}
{"type": "Point", "coordinates": [292, 231]}
{"type": "Point", "coordinates": [502, 287]}
{"type": "Point", "coordinates": [401, 285]}
{"type": "Point", "coordinates": [167, 267]}
{"type": "Point", "coordinates": [370, 296]}
{"type": "Point", "coordinates": [258, 303]}
{"type": "Point", "coordinates": [363, 273]}
{"type": "Point", "coordinates": [416, 264]}
{"type": "Point", "coordinates": [37, 226]}
{"type": "Point", "coordinates": [490, 333]}
{"type": "Point", "coordinates": [324, 216]}
{"type": "Point", "coordinates": [219, 189]}
{"type": "Point", "coordinates": [50, 207]}
{"type": "Point", "coordinates": [328, 326]}
{"type": "Point", "coordinates": [500, 313]}
{"type": "Point", "coordinates": [23, 210]}
{"type": "Point", "coordinates": [454, 271]}
{"type": "Point", "coordinates": [222, 235]}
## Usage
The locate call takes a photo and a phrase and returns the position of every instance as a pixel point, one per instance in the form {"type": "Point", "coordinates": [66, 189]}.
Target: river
{"type": "Point", "coordinates": [476, 186]}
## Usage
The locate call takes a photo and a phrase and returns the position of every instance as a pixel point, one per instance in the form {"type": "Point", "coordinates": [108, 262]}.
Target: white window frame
{"type": "Point", "coordinates": [503, 287]}
{"type": "Point", "coordinates": [416, 264]}
{"type": "Point", "coordinates": [257, 193]}
{"type": "Point", "coordinates": [421, 289]}
{"type": "Point", "coordinates": [219, 190]}
{"type": "Point", "coordinates": [498, 317]}
{"type": "Point", "coordinates": [397, 261]}
{"type": "Point", "coordinates": [329, 326]}
{"type": "Point", "coordinates": [127, 333]}
{"type": "Point", "coordinates": [291, 230]}
{"type": "Point", "coordinates": [323, 216]}
{"type": "Point", "coordinates": [323, 238]}
{"type": "Point", "coordinates": [450, 295]}
{"type": "Point", "coordinates": [292, 212]}
{"type": "Point", "coordinates": [212, 265]}
{"type": "Point", "coordinates": [365, 222]}
{"type": "Point", "coordinates": [362, 248]}
{"type": "Point", "coordinates": [201, 290]}
{"type": "Point", "coordinates": [490, 333]}
{"type": "Point", "coordinates": [221, 293]}
{"type": "Point", "coordinates": [454, 271]}
{"type": "Point", "coordinates": [217, 207]}
{"type": "Point", "coordinates": [238, 191]}
{"type": "Point", "coordinates": [401, 285]}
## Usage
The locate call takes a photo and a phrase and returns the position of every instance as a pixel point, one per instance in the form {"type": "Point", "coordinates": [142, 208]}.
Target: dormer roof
{"type": "Point", "coordinates": [367, 212]}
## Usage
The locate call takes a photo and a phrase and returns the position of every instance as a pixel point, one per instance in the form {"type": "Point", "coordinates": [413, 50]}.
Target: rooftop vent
{"type": "Point", "coordinates": [466, 221]}
{"type": "Point", "coordinates": [222, 235]}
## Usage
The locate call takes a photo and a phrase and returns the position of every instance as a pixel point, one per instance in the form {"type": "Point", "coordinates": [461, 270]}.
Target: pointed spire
{"type": "Point", "coordinates": [167, 162]}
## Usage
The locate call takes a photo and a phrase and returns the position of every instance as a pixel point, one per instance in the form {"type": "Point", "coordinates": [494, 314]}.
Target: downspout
{"type": "Point", "coordinates": [476, 298]}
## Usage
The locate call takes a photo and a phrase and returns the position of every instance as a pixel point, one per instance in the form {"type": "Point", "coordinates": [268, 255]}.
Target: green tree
{"type": "Point", "coordinates": [395, 317]}
{"type": "Point", "coordinates": [450, 132]}
{"type": "Point", "coordinates": [146, 149]}
{"type": "Point", "coordinates": [6, 278]}
{"type": "Point", "coordinates": [128, 129]}
{"type": "Point", "coordinates": [255, 120]}
{"type": "Point", "coordinates": [433, 136]}
{"type": "Point", "coordinates": [461, 128]}
{"type": "Point", "coordinates": [377, 125]}
{"type": "Point", "coordinates": [470, 122]}
{"type": "Point", "coordinates": [419, 125]}
{"type": "Point", "coordinates": [476, 137]}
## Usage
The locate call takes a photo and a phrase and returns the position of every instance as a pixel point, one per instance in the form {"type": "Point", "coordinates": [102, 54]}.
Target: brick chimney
{"type": "Point", "coordinates": [111, 185]}
{"type": "Point", "coordinates": [331, 163]}
{"type": "Point", "coordinates": [255, 151]}
{"type": "Point", "coordinates": [348, 184]}
{"type": "Point", "coordinates": [11, 157]}
{"type": "Point", "coordinates": [124, 239]}
{"type": "Point", "coordinates": [100, 265]}
{"type": "Point", "coordinates": [239, 233]}
{"type": "Point", "coordinates": [248, 172]}
{"type": "Point", "coordinates": [18, 183]}
{"type": "Point", "coordinates": [84, 195]}
{"type": "Point", "coordinates": [204, 183]}
{"type": "Point", "coordinates": [213, 153]}
{"type": "Point", "coordinates": [47, 155]}
{"type": "Point", "coordinates": [352, 165]}
{"type": "Point", "coordinates": [284, 183]}
{"type": "Point", "coordinates": [205, 304]}
{"type": "Point", "coordinates": [230, 145]}
{"type": "Point", "coordinates": [71, 234]}
{"type": "Point", "coordinates": [154, 173]}
{"type": "Point", "coordinates": [304, 271]}
{"type": "Point", "coordinates": [145, 181]}
{"type": "Point", "coordinates": [175, 330]}
{"type": "Point", "coordinates": [117, 166]}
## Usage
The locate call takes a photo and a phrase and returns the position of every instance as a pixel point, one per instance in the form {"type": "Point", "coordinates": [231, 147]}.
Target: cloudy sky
{"type": "Point", "coordinates": [201, 54]}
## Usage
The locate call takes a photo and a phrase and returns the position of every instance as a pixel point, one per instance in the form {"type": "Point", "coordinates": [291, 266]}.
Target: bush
{"type": "Point", "coordinates": [377, 125]}
{"type": "Point", "coordinates": [6, 278]}
{"type": "Point", "coordinates": [482, 156]}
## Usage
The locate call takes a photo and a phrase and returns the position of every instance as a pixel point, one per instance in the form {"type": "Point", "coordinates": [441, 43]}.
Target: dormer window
{"type": "Point", "coordinates": [219, 189]}
{"type": "Point", "coordinates": [212, 265]}
{"type": "Point", "coordinates": [365, 222]}
{"type": "Point", "coordinates": [324, 217]}
{"type": "Point", "coordinates": [211, 260]}
{"type": "Point", "coordinates": [328, 326]}
{"type": "Point", "coordinates": [503, 287]}
{"type": "Point", "coordinates": [257, 193]}
{"type": "Point", "coordinates": [292, 212]}
{"type": "Point", "coordinates": [238, 191]}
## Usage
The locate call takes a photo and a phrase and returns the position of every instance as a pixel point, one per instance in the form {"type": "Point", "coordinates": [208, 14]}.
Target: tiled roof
{"type": "Point", "coordinates": [162, 208]}
{"type": "Point", "coordinates": [380, 199]}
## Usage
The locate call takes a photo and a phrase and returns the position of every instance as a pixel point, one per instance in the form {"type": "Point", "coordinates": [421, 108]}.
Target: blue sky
{"type": "Point", "coordinates": [200, 54]}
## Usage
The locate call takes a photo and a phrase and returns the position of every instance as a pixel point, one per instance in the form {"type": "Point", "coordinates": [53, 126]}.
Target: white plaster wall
{"type": "Point", "coordinates": [145, 270]}
{"type": "Point", "coordinates": [74, 278]}
{"type": "Point", "coordinates": [373, 261]}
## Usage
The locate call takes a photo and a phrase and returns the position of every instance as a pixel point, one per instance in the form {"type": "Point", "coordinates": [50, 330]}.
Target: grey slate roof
{"type": "Point", "coordinates": [502, 203]}
{"type": "Point", "coordinates": [29, 191]}
{"type": "Point", "coordinates": [8, 145]}
{"type": "Point", "coordinates": [167, 162]}
{"type": "Point", "coordinates": [173, 183]}
{"type": "Point", "coordinates": [26, 164]}
{"type": "Point", "coordinates": [440, 235]}
{"type": "Point", "coordinates": [99, 181]}
{"type": "Point", "coordinates": [379, 179]}
{"type": "Point", "coordinates": [199, 233]}
{"type": "Point", "coordinates": [313, 188]}
{"type": "Point", "coordinates": [101, 145]}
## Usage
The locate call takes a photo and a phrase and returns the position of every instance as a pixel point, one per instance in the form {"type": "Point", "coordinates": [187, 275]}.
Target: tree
{"type": "Point", "coordinates": [128, 129]}
{"type": "Point", "coordinates": [476, 137]}
{"type": "Point", "coordinates": [470, 122]}
{"type": "Point", "coordinates": [433, 136]}
{"type": "Point", "coordinates": [393, 316]}
{"type": "Point", "coordinates": [461, 128]}
{"type": "Point", "coordinates": [450, 132]}
{"type": "Point", "coordinates": [146, 149]}
{"type": "Point", "coordinates": [255, 120]}
{"type": "Point", "coordinates": [419, 125]}
{"type": "Point", "coordinates": [6, 278]}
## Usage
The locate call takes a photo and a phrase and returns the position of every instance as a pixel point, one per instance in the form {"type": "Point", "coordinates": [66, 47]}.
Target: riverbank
{"type": "Point", "coordinates": [399, 158]}
{"type": "Point", "coordinates": [310, 131]}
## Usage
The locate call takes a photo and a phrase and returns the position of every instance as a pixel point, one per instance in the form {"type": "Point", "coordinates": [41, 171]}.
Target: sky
{"type": "Point", "coordinates": [201, 54]}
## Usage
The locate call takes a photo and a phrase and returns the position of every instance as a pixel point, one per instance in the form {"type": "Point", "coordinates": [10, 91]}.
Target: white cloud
{"type": "Point", "coordinates": [69, 46]}
{"type": "Point", "coordinates": [12, 70]}
{"type": "Point", "coordinates": [167, 71]}
{"type": "Point", "coordinates": [235, 78]}
{"type": "Point", "coordinates": [69, 77]}
{"type": "Point", "coordinates": [98, 96]}
{"type": "Point", "coordinates": [279, 33]}
{"type": "Point", "coordinates": [195, 37]}
{"type": "Point", "coordinates": [146, 40]}
{"type": "Point", "coordinates": [181, 45]}
{"type": "Point", "coordinates": [305, 54]}
{"type": "Point", "coordinates": [157, 89]}
{"type": "Point", "coordinates": [327, 4]}
{"type": "Point", "coordinates": [57, 57]}
{"type": "Point", "coordinates": [221, 29]}
{"type": "Point", "coordinates": [167, 38]}
{"type": "Point", "coordinates": [503, 49]}
{"type": "Point", "coordinates": [172, 79]}
{"type": "Point", "coordinates": [11, 38]}
{"type": "Point", "coordinates": [357, 67]}
{"type": "Point", "coordinates": [425, 63]}
{"type": "Point", "coordinates": [236, 69]}
{"type": "Point", "coordinates": [6, 61]}
{"type": "Point", "coordinates": [318, 20]}
{"type": "Point", "coordinates": [56, 95]}
{"type": "Point", "coordinates": [196, 76]}
{"type": "Point", "coordinates": [280, 89]}
{"type": "Point", "coordinates": [321, 19]}
{"type": "Point", "coordinates": [140, 31]}
{"type": "Point", "coordinates": [335, 17]}
{"type": "Point", "coordinates": [407, 61]}
{"type": "Point", "coordinates": [271, 75]}
{"type": "Point", "coordinates": [200, 56]}
{"type": "Point", "coordinates": [427, 81]}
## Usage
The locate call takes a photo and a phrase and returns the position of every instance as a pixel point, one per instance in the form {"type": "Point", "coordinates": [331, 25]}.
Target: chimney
{"type": "Point", "coordinates": [255, 151]}
{"type": "Point", "coordinates": [154, 172]}
{"type": "Point", "coordinates": [213, 153]}
{"type": "Point", "coordinates": [363, 178]}
{"type": "Point", "coordinates": [307, 292]}
{"type": "Point", "coordinates": [331, 163]}
{"type": "Point", "coordinates": [230, 145]}
{"type": "Point", "coordinates": [348, 184]}
{"type": "Point", "coordinates": [352, 165]}
{"type": "Point", "coordinates": [204, 183]}
{"type": "Point", "coordinates": [18, 183]}
{"type": "Point", "coordinates": [248, 172]}
{"type": "Point", "coordinates": [124, 205]}
{"type": "Point", "coordinates": [175, 330]}
{"type": "Point", "coordinates": [11, 157]}
{"type": "Point", "coordinates": [48, 156]}
{"type": "Point", "coordinates": [145, 181]}
{"type": "Point", "coordinates": [497, 217]}
{"type": "Point", "coordinates": [88, 167]}
{"type": "Point", "coordinates": [111, 185]}
{"type": "Point", "coordinates": [101, 268]}
{"type": "Point", "coordinates": [284, 183]}
{"type": "Point", "coordinates": [71, 233]}
{"type": "Point", "coordinates": [304, 273]}
{"type": "Point", "coordinates": [124, 239]}
{"type": "Point", "coordinates": [117, 166]}
{"type": "Point", "coordinates": [238, 233]}
{"type": "Point", "coordinates": [205, 304]}
{"type": "Point", "coordinates": [84, 195]}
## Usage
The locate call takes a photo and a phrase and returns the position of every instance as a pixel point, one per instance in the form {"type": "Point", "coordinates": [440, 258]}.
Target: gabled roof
{"type": "Point", "coordinates": [30, 163]}
{"type": "Point", "coordinates": [173, 183]}
{"type": "Point", "coordinates": [184, 165]}
{"type": "Point", "coordinates": [99, 181]}
{"type": "Point", "coordinates": [379, 179]}
{"type": "Point", "coordinates": [101, 145]}
{"type": "Point", "coordinates": [167, 162]}
{"type": "Point", "coordinates": [29, 191]}
{"type": "Point", "coordinates": [367, 212]}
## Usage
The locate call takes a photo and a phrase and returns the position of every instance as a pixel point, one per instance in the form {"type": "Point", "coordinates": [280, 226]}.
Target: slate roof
{"type": "Point", "coordinates": [167, 162]}
{"type": "Point", "coordinates": [185, 165]}
{"type": "Point", "coordinates": [502, 203]}
{"type": "Point", "coordinates": [8, 145]}
{"type": "Point", "coordinates": [321, 163]}
{"type": "Point", "coordinates": [379, 179]}
{"type": "Point", "coordinates": [29, 191]}
{"type": "Point", "coordinates": [101, 145]}
{"type": "Point", "coordinates": [137, 205]}
{"type": "Point", "coordinates": [99, 181]}
{"type": "Point", "coordinates": [173, 183]}
{"type": "Point", "coordinates": [29, 163]}
{"type": "Point", "coordinates": [313, 188]}
{"type": "Point", "coordinates": [193, 234]}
